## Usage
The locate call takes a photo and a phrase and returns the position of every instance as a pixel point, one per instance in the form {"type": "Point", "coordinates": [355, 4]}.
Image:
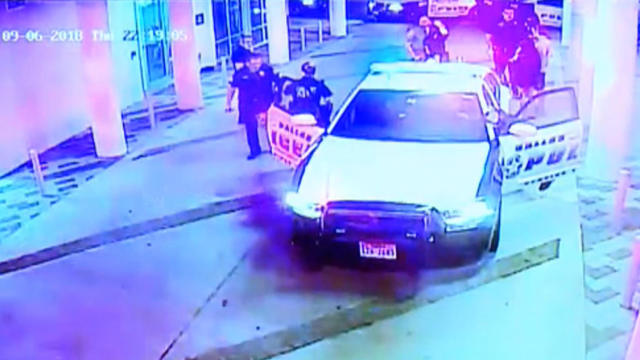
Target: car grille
{"type": "Point", "coordinates": [374, 219]}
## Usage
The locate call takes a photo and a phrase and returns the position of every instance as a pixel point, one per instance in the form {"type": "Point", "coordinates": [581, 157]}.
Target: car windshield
{"type": "Point", "coordinates": [412, 116]}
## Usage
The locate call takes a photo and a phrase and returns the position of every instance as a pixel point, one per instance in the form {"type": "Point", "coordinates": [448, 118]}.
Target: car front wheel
{"type": "Point", "coordinates": [310, 254]}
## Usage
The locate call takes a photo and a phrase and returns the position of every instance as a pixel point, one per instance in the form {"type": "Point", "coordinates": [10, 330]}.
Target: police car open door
{"type": "Point", "coordinates": [541, 142]}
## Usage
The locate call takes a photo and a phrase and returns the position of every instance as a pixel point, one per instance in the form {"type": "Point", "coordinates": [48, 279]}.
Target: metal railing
{"type": "Point", "coordinates": [302, 38]}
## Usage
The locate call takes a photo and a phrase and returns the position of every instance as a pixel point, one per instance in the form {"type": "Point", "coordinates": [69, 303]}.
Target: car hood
{"type": "Point", "coordinates": [435, 174]}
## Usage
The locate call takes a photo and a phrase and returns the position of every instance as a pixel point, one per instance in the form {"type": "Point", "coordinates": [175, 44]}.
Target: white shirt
{"type": "Point", "coordinates": [543, 45]}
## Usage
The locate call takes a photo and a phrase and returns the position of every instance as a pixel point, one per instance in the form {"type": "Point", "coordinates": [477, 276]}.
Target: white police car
{"type": "Point", "coordinates": [414, 165]}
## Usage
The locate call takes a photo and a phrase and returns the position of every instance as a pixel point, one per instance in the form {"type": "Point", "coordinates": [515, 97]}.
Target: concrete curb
{"type": "Point", "coordinates": [126, 232]}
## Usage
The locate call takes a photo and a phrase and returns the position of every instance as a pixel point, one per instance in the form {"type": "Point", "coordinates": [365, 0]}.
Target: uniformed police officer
{"type": "Point", "coordinates": [506, 37]}
{"type": "Point", "coordinates": [254, 84]}
{"type": "Point", "coordinates": [310, 95]}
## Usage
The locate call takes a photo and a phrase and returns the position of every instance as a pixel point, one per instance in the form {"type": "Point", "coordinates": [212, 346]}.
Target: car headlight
{"type": "Point", "coordinates": [467, 217]}
{"type": "Point", "coordinates": [303, 207]}
{"type": "Point", "coordinates": [395, 7]}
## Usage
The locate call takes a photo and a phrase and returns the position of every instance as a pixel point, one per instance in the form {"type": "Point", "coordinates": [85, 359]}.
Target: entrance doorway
{"type": "Point", "coordinates": [152, 20]}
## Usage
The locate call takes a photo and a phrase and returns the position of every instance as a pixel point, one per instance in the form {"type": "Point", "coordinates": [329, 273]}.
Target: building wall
{"type": "Point", "coordinates": [205, 39]}
{"type": "Point", "coordinates": [125, 54]}
{"type": "Point", "coordinates": [42, 97]}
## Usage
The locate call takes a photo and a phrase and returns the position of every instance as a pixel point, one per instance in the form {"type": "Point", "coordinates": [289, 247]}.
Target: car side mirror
{"type": "Point", "coordinates": [304, 120]}
{"type": "Point", "coordinates": [523, 130]}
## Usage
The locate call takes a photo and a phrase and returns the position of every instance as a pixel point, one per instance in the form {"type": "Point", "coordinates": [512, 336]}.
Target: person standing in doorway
{"type": "Point", "coordinates": [254, 85]}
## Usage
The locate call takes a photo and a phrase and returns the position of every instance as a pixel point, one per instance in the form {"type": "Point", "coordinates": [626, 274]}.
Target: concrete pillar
{"type": "Point", "coordinates": [581, 54]}
{"type": "Point", "coordinates": [278, 32]}
{"type": "Point", "coordinates": [186, 70]}
{"type": "Point", "coordinates": [567, 22]}
{"type": "Point", "coordinates": [338, 17]}
{"type": "Point", "coordinates": [104, 105]}
{"type": "Point", "coordinates": [612, 46]}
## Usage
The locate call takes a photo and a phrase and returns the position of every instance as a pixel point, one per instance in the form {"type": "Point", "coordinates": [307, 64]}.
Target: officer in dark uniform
{"type": "Point", "coordinates": [506, 38]}
{"type": "Point", "coordinates": [254, 83]}
{"type": "Point", "coordinates": [310, 96]}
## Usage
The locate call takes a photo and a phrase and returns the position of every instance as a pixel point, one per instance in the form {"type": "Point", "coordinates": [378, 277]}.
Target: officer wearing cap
{"type": "Point", "coordinates": [310, 95]}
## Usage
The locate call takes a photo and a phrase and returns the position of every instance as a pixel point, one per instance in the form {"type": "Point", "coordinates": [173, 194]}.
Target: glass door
{"type": "Point", "coordinates": [152, 22]}
{"type": "Point", "coordinates": [259, 22]}
{"type": "Point", "coordinates": [227, 22]}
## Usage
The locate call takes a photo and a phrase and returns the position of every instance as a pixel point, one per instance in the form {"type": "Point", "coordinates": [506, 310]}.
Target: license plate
{"type": "Point", "coordinates": [377, 250]}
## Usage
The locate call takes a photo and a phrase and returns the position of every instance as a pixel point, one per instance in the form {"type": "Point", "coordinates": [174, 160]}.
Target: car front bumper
{"type": "Point", "coordinates": [339, 236]}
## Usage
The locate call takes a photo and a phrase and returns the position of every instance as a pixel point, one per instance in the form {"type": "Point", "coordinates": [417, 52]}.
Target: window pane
{"type": "Point", "coordinates": [550, 108]}
{"type": "Point", "coordinates": [257, 36]}
{"type": "Point", "coordinates": [155, 61]}
{"type": "Point", "coordinates": [256, 13]}
{"type": "Point", "coordinates": [220, 19]}
{"type": "Point", "coordinates": [222, 49]}
{"type": "Point", "coordinates": [235, 18]}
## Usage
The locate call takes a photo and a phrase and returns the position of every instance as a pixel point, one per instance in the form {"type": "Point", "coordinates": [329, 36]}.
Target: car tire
{"type": "Point", "coordinates": [312, 260]}
{"type": "Point", "coordinates": [408, 289]}
{"type": "Point", "coordinates": [310, 255]}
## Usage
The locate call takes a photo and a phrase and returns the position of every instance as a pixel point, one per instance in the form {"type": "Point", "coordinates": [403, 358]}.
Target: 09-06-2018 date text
{"type": "Point", "coordinates": [76, 35]}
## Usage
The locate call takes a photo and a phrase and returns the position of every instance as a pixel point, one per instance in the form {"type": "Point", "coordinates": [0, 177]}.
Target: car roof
{"type": "Point", "coordinates": [413, 67]}
{"type": "Point", "coordinates": [440, 79]}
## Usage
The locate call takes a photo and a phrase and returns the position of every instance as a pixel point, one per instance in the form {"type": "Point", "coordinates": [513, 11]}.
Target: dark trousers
{"type": "Point", "coordinates": [250, 121]}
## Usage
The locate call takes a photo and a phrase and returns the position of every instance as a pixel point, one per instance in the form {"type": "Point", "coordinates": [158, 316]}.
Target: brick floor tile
{"type": "Point", "coordinates": [613, 349]}
{"type": "Point", "coordinates": [597, 337]}
{"type": "Point", "coordinates": [620, 254]}
{"type": "Point", "coordinates": [599, 272]}
{"type": "Point", "coordinates": [601, 295]}
{"type": "Point", "coordinates": [590, 199]}
{"type": "Point", "coordinates": [593, 214]}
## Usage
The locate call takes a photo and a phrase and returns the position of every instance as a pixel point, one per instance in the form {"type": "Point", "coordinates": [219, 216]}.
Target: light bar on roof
{"type": "Point", "coordinates": [434, 68]}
